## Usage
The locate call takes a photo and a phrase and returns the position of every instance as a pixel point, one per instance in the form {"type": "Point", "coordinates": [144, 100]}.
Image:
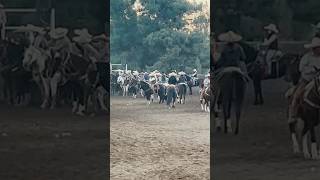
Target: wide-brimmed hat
{"type": "Point", "coordinates": [229, 37]}
{"type": "Point", "coordinates": [31, 28]}
{"type": "Point", "coordinates": [136, 73]}
{"type": "Point", "coordinates": [58, 33]}
{"type": "Point", "coordinates": [314, 43]}
{"type": "Point", "coordinates": [172, 74]}
{"type": "Point", "coordinates": [82, 32]}
{"type": "Point", "coordinates": [316, 26]}
{"type": "Point", "coordinates": [101, 37]}
{"type": "Point", "coordinates": [182, 73]}
{"type": "Point", "coordinates": [272, 27]}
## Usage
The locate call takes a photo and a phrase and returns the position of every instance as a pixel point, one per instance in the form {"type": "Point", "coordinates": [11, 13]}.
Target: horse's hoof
{"type": "Point", "coordinates": [80, 113]}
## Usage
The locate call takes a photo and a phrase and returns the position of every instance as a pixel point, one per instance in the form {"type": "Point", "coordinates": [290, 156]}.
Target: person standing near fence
{"type": "Point", "coordinates": [3, 21]}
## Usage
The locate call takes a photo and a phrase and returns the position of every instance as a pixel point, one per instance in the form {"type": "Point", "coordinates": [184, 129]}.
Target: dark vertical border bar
{"type": "Point", "coordinates": [107, 29]}
{"type": "Point", "coordinates": [211, 68]}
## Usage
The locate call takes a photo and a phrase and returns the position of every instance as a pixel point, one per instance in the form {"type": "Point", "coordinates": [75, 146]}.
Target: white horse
{"type": "Point", "coordinates": [124, 84]}
{"type": "Point", "coordinates": [35, 60]}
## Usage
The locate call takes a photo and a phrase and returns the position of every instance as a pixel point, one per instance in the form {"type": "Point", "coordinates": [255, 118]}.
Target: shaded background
{"type": "Point", "coordinates": [69, 13]}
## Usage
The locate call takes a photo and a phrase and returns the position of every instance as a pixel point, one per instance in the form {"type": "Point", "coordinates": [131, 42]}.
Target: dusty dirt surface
{"type": "Point", "coordinates": [262, 150]}
{"type": "Point", "coordinates": [153, 142]}
{"type": "Point", "coordinates": [51, 145]}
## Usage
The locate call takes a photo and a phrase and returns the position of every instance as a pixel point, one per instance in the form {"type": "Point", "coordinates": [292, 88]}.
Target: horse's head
{"type": "Point", "coordinates": [33, 56]}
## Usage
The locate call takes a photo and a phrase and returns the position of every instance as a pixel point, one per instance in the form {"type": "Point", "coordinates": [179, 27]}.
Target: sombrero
{"type": "Point", "coordinates": [58, 33]}
{"type": "Point", "coordinates": [317, 26]}
{"type": "Point", "coordinates": [182, 73]}
{"type": "Point", "coordinates": [229, 37]}
{"type": "Point", "coordinates": [172, 74]}
{"type": "Point", "coordinates": [31, 28]}
{"type": "Point", "coordinates": [314, 43]}
{"type": "Point", "coordinates": [272, 27]}
{"type": "Point", "coordinates": [102, 37]}
{"type": "Point", "coordinates": [83, 36]}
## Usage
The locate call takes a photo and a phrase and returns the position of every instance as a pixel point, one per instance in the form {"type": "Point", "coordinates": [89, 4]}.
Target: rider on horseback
{"type": "Point", "coordinates": [60, 44]}
{"type": "Point", "coordinates": [233, 54]}
{"type": "Point", "coordinates": [309, 65]}
{"type": "Point", "coordinates": [271, 44]}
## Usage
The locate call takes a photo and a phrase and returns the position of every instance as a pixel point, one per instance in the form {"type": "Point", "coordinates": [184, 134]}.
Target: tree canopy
{"type": "Point", "coordinates": [154, 34]}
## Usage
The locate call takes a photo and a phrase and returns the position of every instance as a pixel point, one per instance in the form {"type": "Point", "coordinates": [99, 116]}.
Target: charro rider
{"type": "Point", "coordinates": [309, 65]}
{"type": "Point", "coordinates": [271, 45]}
{"type": "Point", "coordinates": [60, 44]}
{"type": "Point", "coordinates": [233, 54]}
{"type": "Point", "coordinates": [83, 40]}
{"type": "Point", "coordinates": [172, 81]}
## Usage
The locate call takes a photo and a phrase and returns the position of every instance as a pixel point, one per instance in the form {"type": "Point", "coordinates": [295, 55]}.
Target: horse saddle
{"type": "Point", "coordinates": [311, 95]}
{"type": "Point", "coordinates": [233, 69]}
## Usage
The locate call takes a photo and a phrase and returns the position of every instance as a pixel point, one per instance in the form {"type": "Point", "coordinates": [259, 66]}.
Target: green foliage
{"type": "Point", "coordinates": [155, 38]}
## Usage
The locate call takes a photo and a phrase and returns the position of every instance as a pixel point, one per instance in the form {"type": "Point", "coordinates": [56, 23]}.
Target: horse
{"type": "Point", "coordinates": [124, 84]}
{"type": "Point", "coordinates": [161, 90]}
{"type": "Point", "coordinates": [182, 89]}
{"type": "Point", "coordinates": [133, 86]}
{"type": "Point", "coordinates": [17, 81]}
{"type": "Point", "coordinates": [205, 97]}
{"type": "Point", "coordinates": [171, 95]}
{"type": "Point", "coordinates": [148, 91]}
{"type": "Point", "coordinates": [114, 86]}
{"type": "Point", "coordinates": [232, 84]}
{"type": "Point", "coordinates": [75, 75]}
{"type": "Point", "coordinates": [308, 112]}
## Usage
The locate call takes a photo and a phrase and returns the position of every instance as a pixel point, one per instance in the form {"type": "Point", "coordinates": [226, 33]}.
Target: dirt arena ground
{"type": "Point", "coordinates": [157, 143]}
{"type": "Point", "coordinates": [263, 149]}
{"type": "Point", "coordinates": [51, 145]}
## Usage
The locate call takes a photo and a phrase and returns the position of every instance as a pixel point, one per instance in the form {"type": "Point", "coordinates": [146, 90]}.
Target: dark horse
{"type": "Point", "coordinates": [148, 92]}
{"type": "Point", "coordinates": [257, 69]}
{"type": "Point", "coordinates": [232, 84]}
{"type": "Point", "coordinates": [161, 90]}
{"type": "Point", "coordinates": [17, 81]}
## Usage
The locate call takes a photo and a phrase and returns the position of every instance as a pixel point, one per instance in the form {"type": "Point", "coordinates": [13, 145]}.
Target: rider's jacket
{"type": "Point", "coordinates": [172, 80]}
{"type": "Point", "coordinates": [231, 55]}
{"type": "Point", "coordinates": [307, 66]}
{"type": "Point", "coordinates": [273, 44]}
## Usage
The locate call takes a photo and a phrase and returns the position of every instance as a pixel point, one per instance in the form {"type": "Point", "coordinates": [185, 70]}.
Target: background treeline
{"type": "Point", "coordinates": [160, 34]}
{"type": "Point", "coordinates": [294, 17]}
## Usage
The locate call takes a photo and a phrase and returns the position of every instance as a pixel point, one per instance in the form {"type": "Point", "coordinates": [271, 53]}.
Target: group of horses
{"type": "Point", "coordinates": [133, 85]}
{"type": "Point", "coordinates": [42, 77]}
{"type": "Point", "coordinates": [229, 88]}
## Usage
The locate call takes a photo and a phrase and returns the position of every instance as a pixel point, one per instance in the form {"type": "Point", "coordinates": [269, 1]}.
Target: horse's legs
{"type": "Point", "coordinates": [305, 141]}
{"type": "Point", "coordinates": [82, 98]}
{"type": "Point", "coordinates": [238, 116]}
{"type": "Point", "coordinates": [295, 144]}
{"type": "Point", "coordinates": [45, 83]}
{"type": "Point", "coordinates": [314, 149]}
{"type": "Point", "coordinates": [226, 113]}
{"type": "Point", "coordinates": [101, 93]}
{"type": "Point", "coordinates": [190, 89]}
{"type": "Point", "coordinates": [54, 88]}
{"type": "Point", "coordinates": [256, 90]}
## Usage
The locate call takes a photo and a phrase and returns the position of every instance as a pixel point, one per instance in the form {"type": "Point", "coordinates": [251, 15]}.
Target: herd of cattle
{"type": "Point", "coordinates": [30, 76]}
{"type": "Point", "coordinates": [155, 85]}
